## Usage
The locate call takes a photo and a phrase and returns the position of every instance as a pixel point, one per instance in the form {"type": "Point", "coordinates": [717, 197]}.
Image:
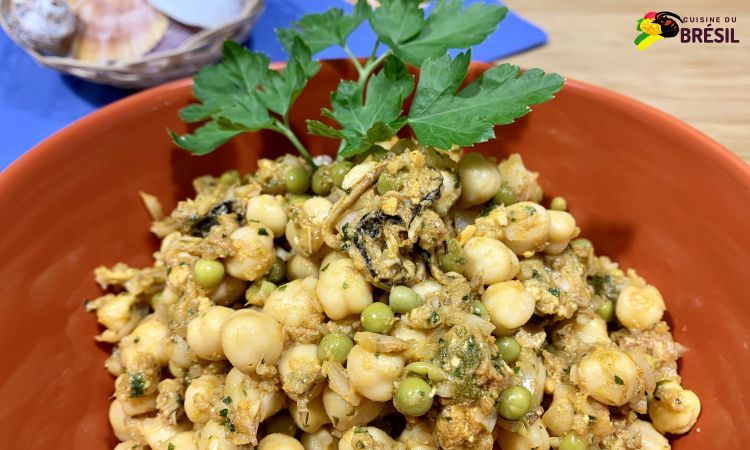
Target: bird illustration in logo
{"type": "Point", "coordinates": [656, 26]}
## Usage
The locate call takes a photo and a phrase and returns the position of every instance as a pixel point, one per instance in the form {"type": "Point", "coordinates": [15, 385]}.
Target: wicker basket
{"type": "Point", "coordinates": [200, 49]}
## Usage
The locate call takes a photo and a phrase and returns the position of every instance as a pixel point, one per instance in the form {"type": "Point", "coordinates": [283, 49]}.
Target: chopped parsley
{"type": "Point", "coordinates": [618, 380]}
{"type": "Point", "coordinates": [325, 267]}
{"type": "Point", "coordinates": [262, 231]}
{"type": "Point", "coordinates": [554, 291]}
{"type": "Point", "coordinates": [226, 400]}
{"type": "Point", "coordinates": [170, 446]}
{"type": "Point", "coordinates": [345, 230]}
{"type": "Point", "coordinates": [137, 385]}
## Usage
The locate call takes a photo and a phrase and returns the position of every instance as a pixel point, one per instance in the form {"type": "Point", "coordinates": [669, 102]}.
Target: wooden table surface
{"type": "Point", "coordinates": [705, 85]}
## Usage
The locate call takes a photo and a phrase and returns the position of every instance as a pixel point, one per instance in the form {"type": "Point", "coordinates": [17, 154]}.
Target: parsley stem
{"type": "Point", "coordinates": [354, 59]}
{"type": "Point", "coordinates": [370, 66]}
{"type": "Point", "coordinates": [374, 52]}
{"type": "Point", "coordinates": [286, 130]}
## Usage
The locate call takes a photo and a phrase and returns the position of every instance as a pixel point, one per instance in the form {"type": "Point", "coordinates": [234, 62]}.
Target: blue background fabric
{"type": "Point", "coordinates": [35, 101]}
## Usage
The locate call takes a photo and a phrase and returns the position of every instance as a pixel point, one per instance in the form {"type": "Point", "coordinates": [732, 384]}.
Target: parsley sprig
{"type": "Point", "coordinates": [242, 94]}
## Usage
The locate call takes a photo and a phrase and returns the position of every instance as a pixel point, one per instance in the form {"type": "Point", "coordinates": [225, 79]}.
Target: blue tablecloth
{"type": "Point", "coordinates": [35, 101]}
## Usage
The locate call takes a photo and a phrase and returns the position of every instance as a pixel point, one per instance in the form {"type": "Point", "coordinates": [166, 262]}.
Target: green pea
{"type": "Point", "coordinates": [572, 441]}
{"type": "Point", "coordinates": [509, 348]}
{"type": "Point", "coordinates": [558, 204]}
{"type": "Point", "coordinates": [297, 199]}
{"type": "Point", "coordinates": [606, 310]}
{"type": "Point", "coordinates": [259, 291]}
{"type": "Point", "coordinates": [297, 180]}
{"type": "Point", "coordinates": [413, 397]}
{"type": "Point", "coordinates": [339, 171]}
{"type": "Point", "coordinates": [479, 310]}
{"type": "Point", "coordinates": [403, 299]}
{"type": "Point", "coordinates": [453, 259]}
{"type": "Point", "coordinates": [505, 195]}
{"type": "Point", "coordinates": [388, 182]}
{"type": "Point", "coordinates": [515, 402]}
{"type": "Point", "coordinates": [334, 347]}
{"type": "Point", "coordinates": [277, 272]}
{"type": "Point", "coordinates": [582, 245]}
{"type": "Point", "coordinates": [281, 423]}
{"type": "Point", "coordinates": [208, 273]}
{"type": "Point", "coordinates": [229, 178]}
{"type": "Point", "coordinates": [377, 318]}
{"type": "Point", "coordinates": [322, 183]}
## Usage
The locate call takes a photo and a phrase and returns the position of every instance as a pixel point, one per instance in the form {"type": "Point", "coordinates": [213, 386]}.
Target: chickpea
{"type": "Point", "coordinates": [147, 339]}
{"type": "Point", "coordinates": [491, 259]}
{"type": "Point", "coordinates": [156, 430]}
{"type": "Point", "coordinates": [249, 338]}
{"type": "Point", "coordinates": [590, 329]}
{"type": "Point", "coordinates": [558, 418]}
{"type": "Point", "coordinates": [562, 229]}
{"type": "Point", "coordinates": [312, 420]}
{"type": "Point", "coordinates": [536, 438]}
{"type": "Point", "coordinates": [358, 437]}
{"type": "Point", "coordinates": [372, 375]}
{"type": "Point", "coordinates": [198, 397]}
{"type": "Point", "coordinates": [254, 255]}
{"type": "Point", "coordinates": [246, 393]}
{"type": "Point", "coordinates": [650, 438]}
{"type": "Point", "coordinates": [214, 436]}
{"type": "Point", "coordinates": [343, 415]}
{"type": "Point", "coordinates": [268, 210]}
{"type": "Point", "coordinates": [319, 440]}
{"type": "Point", "coordinates": [278, 441]}
{"type": "Point", "coordinates": [299, 362]}
{"type": "Point", "coordinates": [296, 307]}
{"type": "Point", "coordinates": [528, 227]}
{"type": "Point", "coordinates": [118, 420]}
{"type": "Point", "coordinates": [185, 440]}
{"type": "Point", "coordinates": [509, 305]}
{"type": "Point", "coordinates": [639, 308]}
{"type": "Point", "coordinates": [342, 290]}
{"type": "Point", "coordinates": [204, 332]}
{"type": "Point", "coordinates": [317, 208]}
{"type": "Point", "coordinates": [674, 409]}
{"type": "Point", "coordinates": [300, 266]}
{"type": "Point", "coordinates": [608, 375]}
{"type": "Point", "coordinates": [480, 179]}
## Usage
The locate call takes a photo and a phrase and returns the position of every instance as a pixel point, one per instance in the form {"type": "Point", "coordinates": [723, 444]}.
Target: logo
{"type": "Point", "coordinates": [655, 27]}
{"type": "Point", "coordinates": [694, 30]}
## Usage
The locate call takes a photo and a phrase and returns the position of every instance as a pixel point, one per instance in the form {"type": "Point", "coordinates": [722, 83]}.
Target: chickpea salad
{"type": "Point", "coordinates": [408, 294]}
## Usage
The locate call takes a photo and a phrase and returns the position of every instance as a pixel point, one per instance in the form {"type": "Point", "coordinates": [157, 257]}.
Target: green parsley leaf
{"type": "Point", "coordinates": [170, 446]}
{"type": "Point", "coordinates": [376, 117]}
{"type": "Point", "coordinates": [320, 31]}
{"type": "Point", "coordinates": [440, 116]}
{"type": "Point", "coordinates": [397, 21]}
{"type": "Point", "coordinates": [281, 89]}
{"type": "Point", "coordinates": [401, 25]}
{"type": "Point", "coordinates": [619, 381]}
{"type": "Point", "coordinates": [232, 100]}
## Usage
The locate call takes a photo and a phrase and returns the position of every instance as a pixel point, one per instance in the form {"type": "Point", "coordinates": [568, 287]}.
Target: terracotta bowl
{"type": "Point", "coordinates": [647, 189]}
